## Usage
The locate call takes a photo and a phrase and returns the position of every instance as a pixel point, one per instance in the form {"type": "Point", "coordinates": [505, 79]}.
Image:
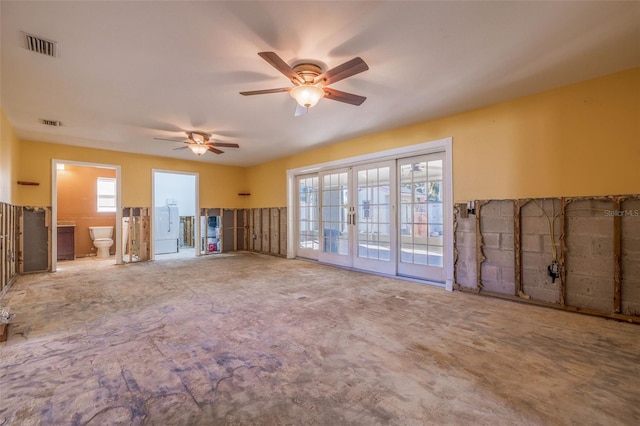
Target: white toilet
{"type": "Point", "coordinates": [101, 236]}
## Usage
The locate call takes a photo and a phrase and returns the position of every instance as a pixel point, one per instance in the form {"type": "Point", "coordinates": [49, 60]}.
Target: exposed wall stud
{"type": "Point", "coordinates": [456, 213]}
{"type": "Point", "coordinates": [274, 231]}
{"type": "Point", "coordinates": [517, 245]}
{"type": "Point", "coordinates": [479, 255]}
{"type": "Point", "coordinates": [562, 289]}
{"type": "Point", "coordinates": [617, 252]}
{"type": "Point", "coordinates": [266, 235]}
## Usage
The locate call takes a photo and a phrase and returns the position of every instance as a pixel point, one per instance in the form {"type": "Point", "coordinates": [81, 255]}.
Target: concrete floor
{"type": "Point", "coordinates": [251, 339]}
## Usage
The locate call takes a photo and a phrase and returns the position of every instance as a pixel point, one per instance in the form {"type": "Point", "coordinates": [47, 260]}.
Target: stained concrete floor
{"type": "Point", "coordinates": [251, 339]}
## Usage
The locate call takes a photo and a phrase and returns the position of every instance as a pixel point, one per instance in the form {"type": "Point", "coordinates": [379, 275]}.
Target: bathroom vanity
{"type": "Point", "coordinates": [66, 241]}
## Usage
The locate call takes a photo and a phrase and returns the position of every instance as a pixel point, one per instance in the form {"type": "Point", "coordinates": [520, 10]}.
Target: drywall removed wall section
{"type": "Point", "coordinates": [228, 230]}
{"type": "Point", "coordinates": [136, 234]}
{"type": "Point", "coordinates": [589, 255]}
{"type": "Point", "coordinates": [496, 228]}
{"type": "Point", "coordinates": [538, 220]}
{"type": "Point", "coordinates": [225, 230]}
{"type": "Point", "coordinates": [10, 219]}
{"type": "Point", "coordinates": [255, 230]}
{"type": "Point", "coordinates": [580, 254]}
{"type": "Point", "coordinates": [267, 231]}
{"type": "Point", "coordinates": [630, 258]}
{"type": "Point", "coordinates": [36, 240]}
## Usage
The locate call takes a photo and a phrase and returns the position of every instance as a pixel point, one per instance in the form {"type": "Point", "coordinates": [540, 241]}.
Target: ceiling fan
{"type": "Point", "coordinates": [200, 143]}
{"type": "Point", "coordinates": [310, 81]}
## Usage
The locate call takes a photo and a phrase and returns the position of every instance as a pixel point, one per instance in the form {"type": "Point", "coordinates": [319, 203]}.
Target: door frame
{"type": "Point", "coordinates": [54, 207]}
{"type": "Point", "coordinates": [440, 145]}
{"type": "Point", "coordinates": [198, 236]}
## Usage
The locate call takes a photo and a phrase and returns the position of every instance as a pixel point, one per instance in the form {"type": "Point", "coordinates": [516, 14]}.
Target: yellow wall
{"type": "Point", "coordinates": [9, 145]}
{"type": "Point", "coordinates": [582, 139]}
{"type": "Point", "coordinates": [219, 185]}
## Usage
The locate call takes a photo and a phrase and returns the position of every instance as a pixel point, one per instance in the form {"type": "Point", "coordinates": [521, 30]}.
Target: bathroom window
{"type": "Point", "coordinates": [106, 195]}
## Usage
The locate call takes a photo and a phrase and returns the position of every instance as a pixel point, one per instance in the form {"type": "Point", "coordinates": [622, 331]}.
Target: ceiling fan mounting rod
{"type": "Point", "coordinates": [198, 137]}
{"type": "Point", "coordinates": [308, 72]}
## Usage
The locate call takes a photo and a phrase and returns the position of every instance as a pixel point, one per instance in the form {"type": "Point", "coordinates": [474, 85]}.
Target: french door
{"type": "Point", "coordinates": [421, 217]}
{"type": "Point", "coordinates": [336, 217]}
{"type": "Point", "coordinates": [357, 217]}
{"type": "Point", "coordinates": [384, 217]}
{"type": "Point", "coordinates": [308, 215]}
{"type": "Point", "coordinates": [373, 217]}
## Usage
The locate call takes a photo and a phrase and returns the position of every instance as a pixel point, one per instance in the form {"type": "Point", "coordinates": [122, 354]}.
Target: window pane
{"type": "Point", "coordinates": [107, 202]}
{"type": "Point", "coordinates": [435, 170]}
{"type": "Point", "coordinates": [106, 195]}
{"type": "Point", "coordinates": [106, 186]}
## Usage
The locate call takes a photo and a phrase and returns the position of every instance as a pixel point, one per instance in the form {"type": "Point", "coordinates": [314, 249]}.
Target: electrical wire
{"type": "Point", "coordinates": [551, 221]}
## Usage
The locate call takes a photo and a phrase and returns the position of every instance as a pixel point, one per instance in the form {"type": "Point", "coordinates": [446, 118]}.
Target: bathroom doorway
{"type": "Point", "coordinates": [175, 229]}
{"type": "Point", "coordinates": [85, 198]}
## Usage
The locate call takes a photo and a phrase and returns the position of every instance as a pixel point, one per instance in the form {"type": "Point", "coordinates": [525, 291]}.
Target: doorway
{"type": "Point", "coordinates": [175, 225]}
{"type": "Point", "coordinates": [391, 216]}
{"type": "Point", "coordinates": [85, 195]}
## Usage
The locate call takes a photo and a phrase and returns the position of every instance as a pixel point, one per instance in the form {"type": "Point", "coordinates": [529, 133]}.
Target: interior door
{"type": "Point", "coordinates": [373, 217]}
{"type": "Point", "coordinates": [421, 217]}
{"type": "Point", "coordinates": [335, 218]}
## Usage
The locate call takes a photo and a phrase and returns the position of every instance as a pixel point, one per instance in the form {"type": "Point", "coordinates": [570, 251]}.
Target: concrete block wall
{"type": "Point", "coordinates": [597, 239]}
{"type": "Point", "coordinates": [496, 227]}
{"type": "Point", "coordinates": [537, 250]}
{"type": "Point", "coordinates": [589, 255]}
{"type": "Point", "coordinates": [465, 242]}
{"type": "Point", "coordinates": [630, 258]}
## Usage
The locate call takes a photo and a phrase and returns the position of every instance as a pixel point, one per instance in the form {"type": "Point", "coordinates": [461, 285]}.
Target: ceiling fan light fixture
{"type": "Point", "coordinates": [199, 138]}
{"type": "Point", "coordinates": [198, 149]}
{"type": "Point", "coordinates": [307, 95]}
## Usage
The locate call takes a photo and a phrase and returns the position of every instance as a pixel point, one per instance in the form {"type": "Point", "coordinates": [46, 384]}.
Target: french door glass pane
{"type": "Point", "coordinates": [335, 212]}
{"type": "Point", "coordinates": [421, 213]}
{"type": "Point", "coordinates": [308, 216]}
{"type": "Point", "coordinates": [435, 213]}
{"type": "Point", "coordinates": [374, 221]}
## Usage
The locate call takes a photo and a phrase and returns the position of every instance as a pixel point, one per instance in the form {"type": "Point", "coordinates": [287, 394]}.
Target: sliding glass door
{"type": "Point", "coordinates": [385, 217]}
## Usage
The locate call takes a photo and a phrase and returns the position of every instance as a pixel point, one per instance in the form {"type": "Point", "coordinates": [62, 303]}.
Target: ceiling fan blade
{"type": "Point", "coordinates": [345, 97]}
{"type": "Point", "coordinates": [180, 147]}
{"type": "Point", "coordinates": [263, 92]}
{"type": "Point", "coordinates": [212, 149]}
{"type": "Point", "coordinates": [281, 66]}
{"type": "Point", "coordinates": [171, 140]}
{"type": "Point", "coordinates": [300, 110]}
{"type": "Point", "coordinates": [349, 68]}
{"type": "Point", "coordinates": [224, 144]}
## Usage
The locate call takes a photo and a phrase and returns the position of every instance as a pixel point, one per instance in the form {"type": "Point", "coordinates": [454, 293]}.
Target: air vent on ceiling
{"type": "Point", "coordinates": [54, 123]}
{"type": "Point", "coordinates": [40, 45]}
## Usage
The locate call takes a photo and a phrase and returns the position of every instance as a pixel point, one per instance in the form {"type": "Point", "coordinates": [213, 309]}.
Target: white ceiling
{"type": "Point", "coordinates": [131, 71]}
